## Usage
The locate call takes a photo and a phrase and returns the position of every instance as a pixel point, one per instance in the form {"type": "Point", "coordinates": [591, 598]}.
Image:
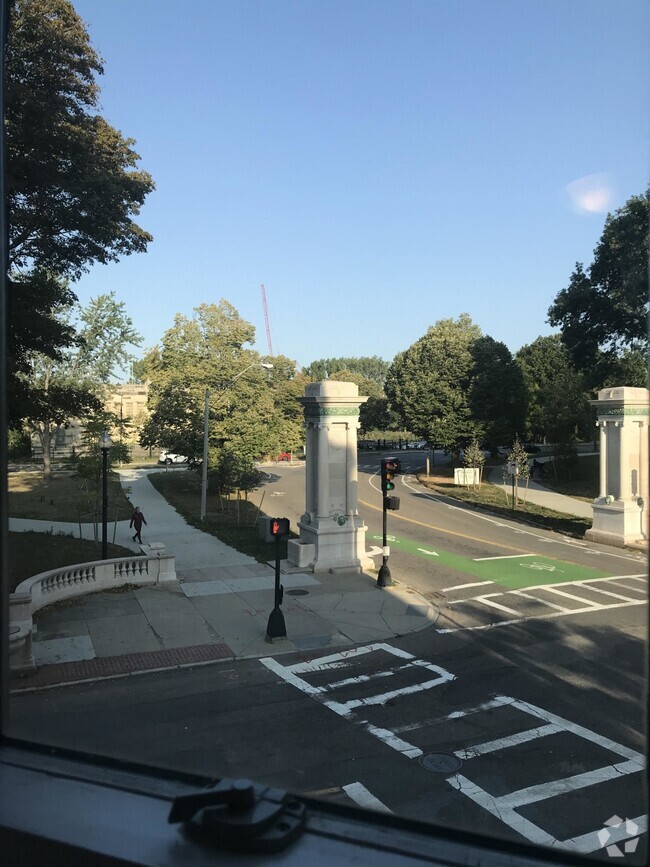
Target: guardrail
{"type": "Point", "coordinates": [71, 581]}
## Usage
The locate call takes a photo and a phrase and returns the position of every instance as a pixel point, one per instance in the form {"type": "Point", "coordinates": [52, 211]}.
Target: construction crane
{"type": "Point", "coordinates": [266, 321]}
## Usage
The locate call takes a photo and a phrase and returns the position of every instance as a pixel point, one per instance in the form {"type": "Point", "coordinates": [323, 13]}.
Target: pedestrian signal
{"type": "Point", "coordinates": [279, 527]}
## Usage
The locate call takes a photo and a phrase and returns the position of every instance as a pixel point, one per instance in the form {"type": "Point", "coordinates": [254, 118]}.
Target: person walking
{"type": "Point", "coordinates": [137, 520]}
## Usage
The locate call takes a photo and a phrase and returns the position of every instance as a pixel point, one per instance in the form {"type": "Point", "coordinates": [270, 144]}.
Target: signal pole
{"type": "Point", "coordinates": [390, 467]}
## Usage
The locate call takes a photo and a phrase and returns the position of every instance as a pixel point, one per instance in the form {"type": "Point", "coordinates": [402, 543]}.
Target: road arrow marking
{"type": "Point", "coordinates": [432, 553]}
{"type": "Point", "coordinates": [374, 551]}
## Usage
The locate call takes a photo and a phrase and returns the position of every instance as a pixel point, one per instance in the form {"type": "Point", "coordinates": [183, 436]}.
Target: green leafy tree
{"type": "Point", "coordinates": [369, 367]}
{"type": "Point", "coordinates": [517, 459]}
{"type": "Point", "coordinates": [72, 386]}
{"type": "Point", "coordinates": [558, 408]}
{"type": "Point", "coordinates": [604, 311]}
{"type": "Point", "coordinates": [497, 395]}
{"type": "Point", "coordinates": [473, 457]}
{"type": "Point", "coordinates": [253, 412]}
{"type": "Point", "coordinates": [72, 183]}
{"type": "Point", "coordinates": [375, 413]}
{"type": "Point", "coordinates": [429, 384]}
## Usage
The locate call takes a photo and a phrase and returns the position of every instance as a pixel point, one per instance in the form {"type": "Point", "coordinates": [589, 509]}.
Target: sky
{"type": "Point", "coordinates": [378, 165]}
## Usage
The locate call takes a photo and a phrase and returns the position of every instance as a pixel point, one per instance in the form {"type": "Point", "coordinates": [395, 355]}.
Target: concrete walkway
{"type": "Point", "coordinates": [542, 496]}
{"type": "Point", "coordinates": [217, 609]}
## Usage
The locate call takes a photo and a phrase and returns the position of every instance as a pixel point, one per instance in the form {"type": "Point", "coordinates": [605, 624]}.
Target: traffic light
{"type": "Point", "coordinates": [390, 467]}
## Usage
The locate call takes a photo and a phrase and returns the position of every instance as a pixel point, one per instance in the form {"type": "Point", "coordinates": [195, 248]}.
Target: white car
{"type": "Point", "coordinates": [170, 458]}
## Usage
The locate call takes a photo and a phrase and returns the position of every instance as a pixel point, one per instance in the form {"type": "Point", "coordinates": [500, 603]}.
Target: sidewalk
{"type": "Point", "coordinates": [541, 496]}
{"type": "Point", "coordinates": [217, 609]}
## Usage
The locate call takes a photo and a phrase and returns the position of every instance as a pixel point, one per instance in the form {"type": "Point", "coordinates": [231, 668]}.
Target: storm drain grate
{"type": "Point", "coordinates": [297, 592]}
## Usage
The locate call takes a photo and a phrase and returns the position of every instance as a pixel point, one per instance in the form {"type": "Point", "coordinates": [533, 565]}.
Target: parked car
{"type": "Point", "coordinates": [531, 448]}
{"type": "Point", "coordinates": [169, 458]}
{"type": "Point", "coordinates": [284, 456]}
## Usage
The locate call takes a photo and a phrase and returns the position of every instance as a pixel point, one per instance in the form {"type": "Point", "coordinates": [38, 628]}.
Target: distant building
{"type": "Point", "coordinates": [126, 401]}
{"type": "Point", "coordinates": [129, 401]}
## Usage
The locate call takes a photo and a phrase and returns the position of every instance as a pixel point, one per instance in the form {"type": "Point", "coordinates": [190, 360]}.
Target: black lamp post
{"type": "Point", "coordinates": [105, 442]}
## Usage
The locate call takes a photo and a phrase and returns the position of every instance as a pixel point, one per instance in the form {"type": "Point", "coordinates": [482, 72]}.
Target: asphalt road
{"type": "Point", "coordinates": [519, 713]}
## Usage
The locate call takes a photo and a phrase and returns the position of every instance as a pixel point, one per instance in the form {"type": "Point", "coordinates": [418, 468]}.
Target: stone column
{"type": "Point", "coordinates": [332, 533]}
{"type": "Point", "coordinates": [322, 478]}
{"type": "Point", "coordinates": [623, 418]}
{"type": "Point", "coordinates": [603, 458]}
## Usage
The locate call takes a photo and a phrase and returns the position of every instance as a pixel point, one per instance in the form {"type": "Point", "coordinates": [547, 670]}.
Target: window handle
{"type": "Point", "coordinates": [241, 816]}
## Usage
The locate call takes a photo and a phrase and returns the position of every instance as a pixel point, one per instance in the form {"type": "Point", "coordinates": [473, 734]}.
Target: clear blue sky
{"type": "Point", "coordinates": [377, 165]}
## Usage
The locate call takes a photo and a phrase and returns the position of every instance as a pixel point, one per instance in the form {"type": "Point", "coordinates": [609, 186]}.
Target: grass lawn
{"type": "Point", "coordinates": [491, 497]}
{"type": "Point", "coordinates": [63, 498]}
{"type": "Point", "coordinates": [32, 553]}
{"type": "Point", "coordinates": [235, 525]}
{"type": "Point", "coordinates": [583, 483]}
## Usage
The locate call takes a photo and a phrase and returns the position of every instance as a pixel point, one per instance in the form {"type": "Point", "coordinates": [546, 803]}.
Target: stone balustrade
{"type": "Point", "coordinates": [71, 581]}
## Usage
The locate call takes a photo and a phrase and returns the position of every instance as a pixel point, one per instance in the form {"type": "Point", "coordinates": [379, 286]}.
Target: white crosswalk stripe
{"type": "Point", "coordinates": [487, 611]}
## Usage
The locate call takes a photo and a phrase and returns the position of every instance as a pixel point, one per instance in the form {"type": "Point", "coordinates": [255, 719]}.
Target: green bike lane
{"type": "Point", "coordinates": [514, 571]}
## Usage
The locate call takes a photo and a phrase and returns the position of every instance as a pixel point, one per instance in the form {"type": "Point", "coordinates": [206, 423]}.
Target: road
{"type": "Point", "coordinates": [519, 713]}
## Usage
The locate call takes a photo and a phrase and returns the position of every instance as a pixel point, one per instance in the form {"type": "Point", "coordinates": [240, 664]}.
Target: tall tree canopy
{"type": "Point", "coordinates": [497, 394]}
{"type": "Point", "coordinates": [369, 367]}
{"type": "Point", "coordinates": [557, 406]}
{"type": "Point", "coordinates": [429, 383]}
{"type": "Point", "coordinates": [603, 313]}
{"type": "Point", "coordinates": [72, 386]}
{"type": "Point", "coordinates": [252, 411]}
{"type": "Point", "coordinates": [73, 186]}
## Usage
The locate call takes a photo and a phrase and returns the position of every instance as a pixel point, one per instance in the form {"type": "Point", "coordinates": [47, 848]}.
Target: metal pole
{"type": "Point", "coordinates": [513, 492]}
{"type": "Point", "coordinates": [384, 579]}
{"type": "Point", "coordinates": [204, 468]}
{"type": "Point", "coordinates": [276, 628]}
{"type": "Point", "coordinates": [104, 502]}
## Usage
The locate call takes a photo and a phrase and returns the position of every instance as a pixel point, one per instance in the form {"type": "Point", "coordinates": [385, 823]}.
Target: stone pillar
{"type": "Point", "coordinates": [332, 533]}
{"type": "Point", "coordinates": [603, 458]}
{"type": "Point", "coordinates": [621, 510]}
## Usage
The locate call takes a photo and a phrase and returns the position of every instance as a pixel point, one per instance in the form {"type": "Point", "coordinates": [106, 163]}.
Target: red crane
{"type": "Point", "coordinates": [266, 321]}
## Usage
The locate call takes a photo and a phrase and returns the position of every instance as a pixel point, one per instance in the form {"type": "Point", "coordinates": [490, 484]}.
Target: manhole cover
{"type": "Point", "coordinates": [297, 592]}
{"type": "Point", "coordinates": [442, 763]}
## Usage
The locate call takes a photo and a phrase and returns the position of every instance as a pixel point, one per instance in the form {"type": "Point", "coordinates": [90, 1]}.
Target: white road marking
{"type": "Point", "coordinates": [505, 806]}
{"type": "Point", "coordinates": [503, 557]}
{"type": "Point", "coordinates": [361, 796]}
{"type": "Point", "coordinates": [504, 743]}
{"type": "Point", "coordinates": [600, 590]}
{"type": "Point", "coordinates": [643, 590]}
{"type": "Point", "coordinates": [486, 600]}
{"type": "Point", "coordinates": [590, 842]}
{"type": "Point", "coordinates": [543, 601]}
{"type": "Point", "coordinates": [465, 586]}
{"type": "Point", "coordinates": [289, 673]}
{"type": "Point", "coordinates": [575, 598]}
{"type": "Point", "coordinates": [557, 588]}
{"type": "Point", "coordinates": [420, 492]}
{"type": "Point", "coordinates": [433, 553]}
{"type": "Point", "coordinates": [588, 610]}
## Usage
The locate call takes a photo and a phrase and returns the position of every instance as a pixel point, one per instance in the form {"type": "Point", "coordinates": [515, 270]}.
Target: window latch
{"type": "Point", "coordinates": [241, 816]}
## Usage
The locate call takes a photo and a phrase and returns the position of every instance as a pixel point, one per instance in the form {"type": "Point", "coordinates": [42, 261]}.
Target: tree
{"type": "Point", "coordinates": [72, 385]}
{"type": "Point", "coordinates": [252, 412]}
{"type": "Point", "coordinates": [369, 367]}
{"type": "Point", "coordinates": [558, 407]}
{"type": "Point", "coordinates": [73, 186]}
{"type": "Point", "coordinates": [497, 395]}
{"type": "Point", "coordinates": [429, 383]}
{"type": "Point", "coordinates": [604, 311]}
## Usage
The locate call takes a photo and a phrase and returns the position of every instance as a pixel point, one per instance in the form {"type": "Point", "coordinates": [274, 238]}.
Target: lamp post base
{"type": "Point", "coordinates": [384, 579]}
{"type": "Point", "coordinates": [276, 629]}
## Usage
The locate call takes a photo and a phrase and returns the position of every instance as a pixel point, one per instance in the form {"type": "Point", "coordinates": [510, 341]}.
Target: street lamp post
{"type": "Point", "coordinates": [206, 419]}
{"type": "Point", "coordinates": [105, 443]}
